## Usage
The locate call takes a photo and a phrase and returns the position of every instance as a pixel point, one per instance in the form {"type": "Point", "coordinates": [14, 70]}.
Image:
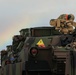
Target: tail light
{"type": "Point", "coordinates": [34, 51]}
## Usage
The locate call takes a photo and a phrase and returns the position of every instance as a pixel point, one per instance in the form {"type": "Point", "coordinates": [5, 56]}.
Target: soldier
{"type": "Point", "coordinates": [66, 17]}
{"type": "Point", "coordinates": [64, 23]}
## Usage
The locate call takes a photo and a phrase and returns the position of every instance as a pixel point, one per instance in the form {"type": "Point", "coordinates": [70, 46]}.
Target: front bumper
{"type": "Point", "coordinates": [37, 66]}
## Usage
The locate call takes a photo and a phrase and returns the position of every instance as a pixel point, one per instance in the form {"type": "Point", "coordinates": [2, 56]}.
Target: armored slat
{"type": "Point", "coordinates": [0, 71]}
{"type": "Point", "coordinates": [4, 71]}
{"type": "Point", "coordinates": [7, 69]}
{"type": "Point", "coordinates": [18, 68]}
{"type": "Point", "coordinates": [10, 69]}
{"type": "Point", "coordinates": [74, 62]}
{"type": "Point", "coordinates": [13, 69]}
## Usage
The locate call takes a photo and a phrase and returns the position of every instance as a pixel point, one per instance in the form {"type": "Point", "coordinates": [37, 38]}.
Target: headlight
{"type": "Point", "coordinates": [34, 51]}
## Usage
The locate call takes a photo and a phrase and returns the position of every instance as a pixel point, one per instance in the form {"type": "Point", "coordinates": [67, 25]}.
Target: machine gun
{"type": "Point", "coordinates": [64, 23]}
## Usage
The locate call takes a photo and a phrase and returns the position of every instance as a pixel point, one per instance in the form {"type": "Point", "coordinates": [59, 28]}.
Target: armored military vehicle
{"type": "Point", "coordinates": [42, 50]}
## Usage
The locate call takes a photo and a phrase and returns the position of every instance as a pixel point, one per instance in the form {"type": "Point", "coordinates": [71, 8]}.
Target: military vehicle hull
{"type": "Point", "coordinates": [42, 50]}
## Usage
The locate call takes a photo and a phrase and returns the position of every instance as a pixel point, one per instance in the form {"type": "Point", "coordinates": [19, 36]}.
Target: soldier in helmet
{"type": "Point", "coordinates": [66, 17]}
{"type": "Point", "coordinates": [64, 23]}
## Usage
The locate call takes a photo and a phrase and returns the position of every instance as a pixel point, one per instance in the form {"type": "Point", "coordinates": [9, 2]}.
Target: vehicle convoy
{"type": "Point", "coordinates": [42, 50]}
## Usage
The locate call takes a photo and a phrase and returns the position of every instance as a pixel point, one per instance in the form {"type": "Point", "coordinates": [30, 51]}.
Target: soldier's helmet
{"type": "Point", "coordinates": [67, 17]}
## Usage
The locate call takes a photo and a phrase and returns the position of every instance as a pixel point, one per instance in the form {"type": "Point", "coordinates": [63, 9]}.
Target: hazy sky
{"type": "Point", "coordinates": [18, 14]}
